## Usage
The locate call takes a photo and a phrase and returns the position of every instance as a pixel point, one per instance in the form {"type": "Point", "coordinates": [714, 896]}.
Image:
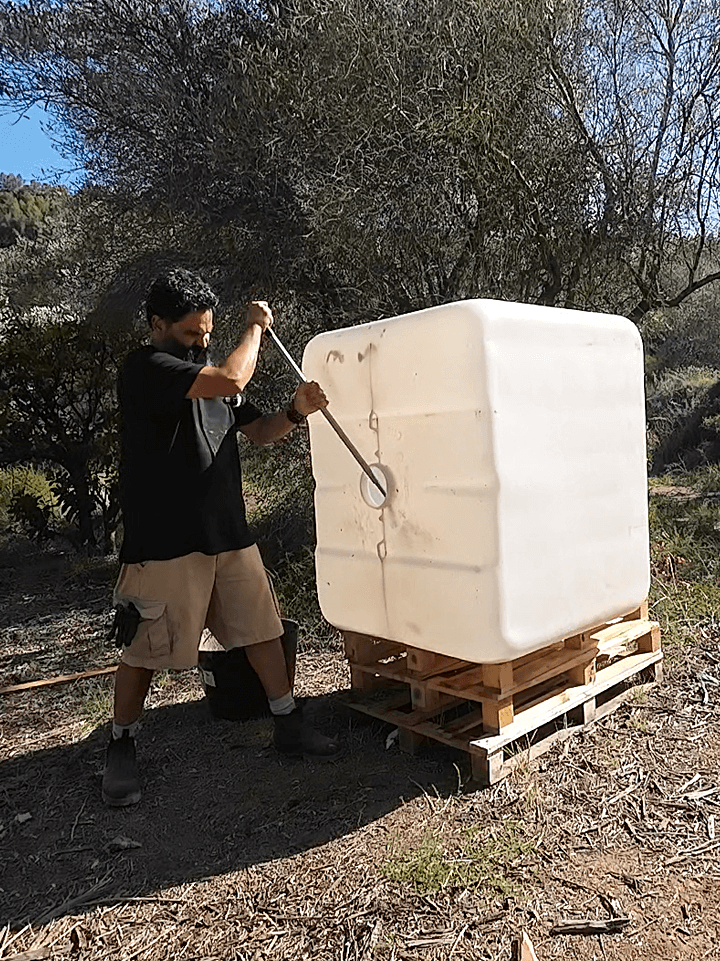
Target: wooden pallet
{"type": "Point", "coordinates": [502, 714]}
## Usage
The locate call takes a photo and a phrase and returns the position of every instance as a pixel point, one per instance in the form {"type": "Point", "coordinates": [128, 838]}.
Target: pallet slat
{"type": "Point", "coordinates": [554, 707]}
{"type": "Point", "coordinates": [607, 636]}
{"type": "Point", "coordinates": [433, 696]}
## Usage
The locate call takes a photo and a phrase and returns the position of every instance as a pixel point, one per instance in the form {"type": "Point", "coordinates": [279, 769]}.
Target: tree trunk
{"type": "Point", "coordinates": [84, 505]}
{"type": "Point", "coordinates": [110, 518]}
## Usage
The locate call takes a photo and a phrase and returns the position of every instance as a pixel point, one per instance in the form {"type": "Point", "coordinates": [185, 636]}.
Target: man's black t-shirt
{"type": "Point", "coordinates": [181, 484]}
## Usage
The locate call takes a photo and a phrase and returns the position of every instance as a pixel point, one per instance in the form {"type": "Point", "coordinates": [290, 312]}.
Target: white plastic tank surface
{"type": "Point", "coordinates": [511, 439]}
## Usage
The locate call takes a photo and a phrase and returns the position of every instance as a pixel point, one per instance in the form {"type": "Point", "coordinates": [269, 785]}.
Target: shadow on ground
{"type": "Point", "coordinates": [36, 585]}
{"type": "Point", "coordinates": [216, 799]}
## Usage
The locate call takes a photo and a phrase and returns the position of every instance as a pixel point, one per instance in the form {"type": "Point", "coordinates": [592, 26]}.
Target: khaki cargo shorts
{"type": "Point", "coordinates": [228, 593]}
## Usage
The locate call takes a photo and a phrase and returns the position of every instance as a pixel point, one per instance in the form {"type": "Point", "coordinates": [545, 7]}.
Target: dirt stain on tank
{"type": "Point", "coordinates": [407, 534]}
{"type": "Point", "coordinates": [335, 355]}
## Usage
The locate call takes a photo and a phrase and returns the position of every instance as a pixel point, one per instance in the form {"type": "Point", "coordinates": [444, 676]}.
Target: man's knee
{"type": "Point", "coordinates": [127, 675]}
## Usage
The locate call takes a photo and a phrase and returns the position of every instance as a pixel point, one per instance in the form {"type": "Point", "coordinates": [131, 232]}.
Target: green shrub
{"type": "Point", "coordinates": [27, 500]}
{"type": "Point", "coordinates": [682, 414]}
{"type": "Point", "coordinates": [673, 395]}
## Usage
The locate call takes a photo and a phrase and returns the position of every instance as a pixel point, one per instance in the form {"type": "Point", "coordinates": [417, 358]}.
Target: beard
{"type": "Point", "coordinates": [197, 355]}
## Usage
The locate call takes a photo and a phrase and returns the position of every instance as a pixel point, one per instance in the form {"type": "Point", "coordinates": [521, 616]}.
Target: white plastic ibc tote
{"type": "Point", "coordinates": [512, 441]}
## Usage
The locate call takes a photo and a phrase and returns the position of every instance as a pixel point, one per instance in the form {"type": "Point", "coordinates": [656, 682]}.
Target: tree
{"type": "Point", "coordinates": [151, 97]}
{"type": "Point", "coordinates": [359, 153]}
{"type": "Point", "coordinates": [25, 211]}
{"type": "Point", "coordinates": [406, 156]}
{"type": "Point", "coordinates": [57, 407]}
{"type": "Point", "coordinates": [353, 159]}
{"type": "Point", "coordinates": [639, 80]}
{"type": "Point", "coordinates": [68, 309]}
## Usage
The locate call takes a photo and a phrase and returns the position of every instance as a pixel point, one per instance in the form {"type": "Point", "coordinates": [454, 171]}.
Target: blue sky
{"type": "Point", "coordinates": [25, 149]}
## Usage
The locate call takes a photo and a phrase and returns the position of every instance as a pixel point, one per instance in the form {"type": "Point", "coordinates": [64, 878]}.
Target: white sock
{"type": "Point", "coordinates": [283, 705]}
{"type": "Point", "coordinates": [119, 729]}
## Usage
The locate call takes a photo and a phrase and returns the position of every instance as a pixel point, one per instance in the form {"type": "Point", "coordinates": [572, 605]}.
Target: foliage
{"type": "Point", "coordinates": [639, 81]}
{"type": "Point", "coordinates": [295, 586]}
{"type": "Point", "coordinates": [68, 306]}
{"type": "Point", "coordinates": [565, 153]}
{"type": "Point", "coordinates": [683, 407]}
{"type": "Point", "coordinates": [672, 395]}
{"type": "Point", "coordinates": [82, 570]}
{"type": "Point", "coordinates": [27, 499]}
{"type": "Point", "coordinates": [57, 406]}
{"type": "Point", "coordinates": [685, 336]}
{"type": "Point", "coordinates": [95, 701]}
{"type": "Point", "coordinates": [406, 160]}
{"type": "Point", "coordinates": [279, 495]}
{"type": "Point", "coordinates": [26, 211]}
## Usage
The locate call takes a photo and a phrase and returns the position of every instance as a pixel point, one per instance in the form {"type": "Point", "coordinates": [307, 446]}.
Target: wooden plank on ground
{"type": "Point", "coordinates": [465, 722]}
{"type": "Point", "coordinates": [391, 698]}
{"type": "Point", "coordinates": [522, 701]}
{"type": "Point", "coordinates": [469, 678]}
{"type": "Point", "coordinates": [508, 764]}
{"type": "Point", "coordinates": [523, 949]}
{"type": "Point", "coordinates": [537, 655]}
{"type": "Point", "coordinates": [556, 663]}
{"type": "Point", "coordinates": [62, 679]}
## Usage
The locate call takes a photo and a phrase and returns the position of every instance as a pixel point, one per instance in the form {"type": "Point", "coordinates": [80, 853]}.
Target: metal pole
{"type": "Point", "coordinates": [328, 416]}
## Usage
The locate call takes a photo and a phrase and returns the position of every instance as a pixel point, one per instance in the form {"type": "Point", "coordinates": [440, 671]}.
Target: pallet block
{"type": "Point", "coordinates": [487, 709]}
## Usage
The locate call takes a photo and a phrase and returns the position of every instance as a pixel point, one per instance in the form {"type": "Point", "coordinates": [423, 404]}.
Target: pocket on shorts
{"type": "Point", "coordinates": [153, 629]}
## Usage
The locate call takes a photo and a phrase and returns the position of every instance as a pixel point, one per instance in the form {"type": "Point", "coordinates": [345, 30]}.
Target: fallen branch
{"type": "Point", "coordinates": [703, 849]}
{"type": "Point", "coordinates": [591, 926]}
{"type": "Point", "coordinates": [63, 679]}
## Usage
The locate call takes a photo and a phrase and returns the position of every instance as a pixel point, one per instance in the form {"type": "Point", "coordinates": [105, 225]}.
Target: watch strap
{"type": "Point", "coordinates": [294, 416]}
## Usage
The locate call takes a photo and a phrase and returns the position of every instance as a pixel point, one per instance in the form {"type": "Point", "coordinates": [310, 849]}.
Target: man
{"type": "Point", "coordinates": [188, 558]}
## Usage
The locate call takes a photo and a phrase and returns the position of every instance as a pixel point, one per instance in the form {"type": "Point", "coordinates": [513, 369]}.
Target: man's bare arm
{"type": "Point", "coordinates": [234, 374]}
{"type": "Point", "coordinates": [308, 398]}
{"type": "Point", "coordinates": [268, 429]}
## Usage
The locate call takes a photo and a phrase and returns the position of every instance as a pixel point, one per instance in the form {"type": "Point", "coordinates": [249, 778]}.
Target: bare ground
{"type": "Point", "coordinates": [239, 855]}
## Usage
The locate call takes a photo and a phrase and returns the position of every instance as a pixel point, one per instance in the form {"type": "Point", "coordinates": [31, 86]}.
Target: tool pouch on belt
{"type": "Point", "coordinates": [125, 625]}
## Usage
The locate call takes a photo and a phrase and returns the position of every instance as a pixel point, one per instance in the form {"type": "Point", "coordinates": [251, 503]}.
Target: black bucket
{"type": "Point", "coordinates": [232, 687]}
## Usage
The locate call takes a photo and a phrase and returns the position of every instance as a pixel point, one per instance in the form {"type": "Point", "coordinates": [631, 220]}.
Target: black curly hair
{"type": "Point", "coordinates": [179, 292]}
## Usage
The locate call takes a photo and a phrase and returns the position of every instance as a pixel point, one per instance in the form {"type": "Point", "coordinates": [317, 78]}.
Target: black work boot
{"type": "Point", "coordinates": [121, 784]}
{"type": "Point", "coordinates": [295, 737]}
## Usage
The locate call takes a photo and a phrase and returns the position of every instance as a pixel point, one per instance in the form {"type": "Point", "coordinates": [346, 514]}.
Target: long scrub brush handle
{"type": "Point", "coordinates": [327, 415]}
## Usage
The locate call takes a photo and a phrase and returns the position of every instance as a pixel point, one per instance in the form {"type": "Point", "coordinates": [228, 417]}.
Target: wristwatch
{"type": "Point", "coordinates": [294, 416]}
